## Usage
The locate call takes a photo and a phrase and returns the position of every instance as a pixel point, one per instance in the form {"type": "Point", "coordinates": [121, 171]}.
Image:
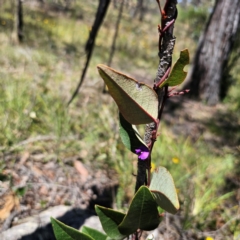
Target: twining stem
{"type": "Point", "coordinates": [166, 46]}
{"type": "Point", "coordinates": [162, 79]}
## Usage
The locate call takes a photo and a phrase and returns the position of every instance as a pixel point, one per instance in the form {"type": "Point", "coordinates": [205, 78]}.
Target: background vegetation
{"type": "Point", "coordinates": [38, 77]}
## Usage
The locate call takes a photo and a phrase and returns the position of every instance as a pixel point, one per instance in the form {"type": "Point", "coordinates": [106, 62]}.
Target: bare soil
{"type": "Point", "coordinates": [31, 185]}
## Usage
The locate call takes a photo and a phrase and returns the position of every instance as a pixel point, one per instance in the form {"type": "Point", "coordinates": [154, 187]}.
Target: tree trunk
{"type": "Point", "coordinates": [139, 9]}
{"type": "Point", "coordinates": [196, 2]}
{"type": "Point", "coordinates": [18, 28]}
{"type": "Point", "coordinates": [183, 3]}
{"type": "Point", "coordinates": [105, 89]}
{"type": "Point", "coordinates": [101, 12]}
{"type": "Point", "coordinates": [213, 51]}
{"type": "Point", "coordinates": [115, 34]}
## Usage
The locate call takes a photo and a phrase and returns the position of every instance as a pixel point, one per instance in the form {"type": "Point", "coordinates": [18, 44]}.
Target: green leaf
{"type": "Point", "coordinates": [137, 102]}
{"type": "Point", "coordinates": [163, 189]}
{"type": "Point", "coordinates": [93, 233]}
{"type": "Point", "coordinates": [142, 213]}
{"type": "Point", "coordinates": [110, 219]}
{"type": "Point", "coordinates": [64, 232]}
{"type": "Point", "coordinates": [177, 75]}
{"type": "Point", "coordinates": [130, 136]}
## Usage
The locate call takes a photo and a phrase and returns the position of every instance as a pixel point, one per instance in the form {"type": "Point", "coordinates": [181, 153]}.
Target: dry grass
{"type": "Point", "coordinates": [38, 77]}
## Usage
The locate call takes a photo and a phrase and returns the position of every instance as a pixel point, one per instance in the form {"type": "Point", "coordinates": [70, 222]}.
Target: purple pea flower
{"type": "Point", "coordinates": [142, 152]}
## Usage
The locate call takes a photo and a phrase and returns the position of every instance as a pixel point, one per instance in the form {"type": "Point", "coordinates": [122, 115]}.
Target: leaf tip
{"type": "Point", "coordinates": [101, 67]}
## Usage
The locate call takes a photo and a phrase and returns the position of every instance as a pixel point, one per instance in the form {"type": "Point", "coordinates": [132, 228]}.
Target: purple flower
{"type": "Point", "coordinates": [142, 152]}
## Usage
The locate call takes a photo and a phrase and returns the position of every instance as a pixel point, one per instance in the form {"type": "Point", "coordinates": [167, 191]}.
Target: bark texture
{"type": "Point", "coordinates": [140, 8]}
{"type": "Point", "coordinates": [166, 46]}
{"type": "Point", "coordinates": [18, 28]}
{"type": "Point", "coordinates": [115, 34]}
{"type": "Point", "coordinates": [101, 12]}
{"type": "Point", "coordinates": [213, 51]}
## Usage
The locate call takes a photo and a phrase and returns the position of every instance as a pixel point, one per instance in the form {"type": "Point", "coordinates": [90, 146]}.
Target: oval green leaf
{"type": "Point", "coordinates": [177, 75]}
{"type": "Point", "coordinates": [110, 219]}
{"type": "Point", "coordinates": [131, 137]}
{"type": "Point", "coordinates": [137, 102]}
{"type": "Point", "coordinates": [142, 213]}
{"type": "Point", "coordinates": [164, 191]}
{"type": "Point", "coordinates": [64, 232]}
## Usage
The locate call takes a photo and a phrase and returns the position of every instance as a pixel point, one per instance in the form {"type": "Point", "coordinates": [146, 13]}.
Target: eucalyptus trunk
{"type": "Point", "coordinates": [18, 27]}
{"type": "Point", "coordinates": [213, 51]}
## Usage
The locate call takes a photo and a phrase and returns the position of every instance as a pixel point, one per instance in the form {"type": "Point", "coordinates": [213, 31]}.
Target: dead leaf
{"type": "Point", "coordinates": [8, 203]}
{"type": "Point", "coordinates": [81, 169]}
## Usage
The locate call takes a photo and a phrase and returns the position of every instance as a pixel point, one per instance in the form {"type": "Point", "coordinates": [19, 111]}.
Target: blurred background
{"type": "Point", "coordinates": [48, 137]}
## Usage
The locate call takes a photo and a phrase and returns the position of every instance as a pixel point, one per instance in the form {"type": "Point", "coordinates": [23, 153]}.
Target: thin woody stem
{"type": "Point", "coordinates": [169, 25]}
{"type": "Point", "coordinates": [159, 5]}
{"type": "Point", "coordinates": [178, 93]}
{"type": "Point", "coordinates": [155, 133]}
{"type": "Point", "coordinates": [162, 79]}
{"type": "Point", "coordinates": [166, 45]}
{"type": "Point", "coordinates": [163, 104]}
{"type": "Point", "coordinates": [160, 39]}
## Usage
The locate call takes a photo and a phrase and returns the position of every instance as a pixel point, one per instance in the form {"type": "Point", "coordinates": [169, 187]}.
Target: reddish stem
{"type": "Point", "coordinates": [163, 78]}
{"type": "Point", "coordinates": [178, 93]}
{"type": "Point", "coordinates": [169, 25]}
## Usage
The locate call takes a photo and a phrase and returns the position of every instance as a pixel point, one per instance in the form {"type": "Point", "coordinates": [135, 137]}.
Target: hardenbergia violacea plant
{"type": "Point", "coordinates": [138, 104]}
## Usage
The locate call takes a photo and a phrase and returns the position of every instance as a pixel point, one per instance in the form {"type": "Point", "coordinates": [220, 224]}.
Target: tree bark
{"type": "Point", "coordinates": [139, 9]}
{"type": "Point", "coordinates": [115, 34]}
{"type": "Point", "coordinates": [105, 89]}
{"type": "Point", "coordinates": [18, 28]}
{"type": "Point", "coordinates": [101, 12]}
{"type": "Point", "coordinates": [166, 46]}
{"type": "Point", "coordinates": [183, 3]}
{"type": "Point", "coordinates": [213, 51]}
{"type": "Point", "coordinates": [196, 2]}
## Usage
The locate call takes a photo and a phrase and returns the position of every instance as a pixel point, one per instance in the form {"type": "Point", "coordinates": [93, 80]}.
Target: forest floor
{"type": "Point", "coordinates": [36, 185]}
{"type": "Point", "coordinates": [51, 154]}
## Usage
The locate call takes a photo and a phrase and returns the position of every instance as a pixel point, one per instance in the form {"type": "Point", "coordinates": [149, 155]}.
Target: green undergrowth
{"type": "Point", "coordinates": [38, 77]}
{"type": "Point", "coordinates": [199, 175]}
